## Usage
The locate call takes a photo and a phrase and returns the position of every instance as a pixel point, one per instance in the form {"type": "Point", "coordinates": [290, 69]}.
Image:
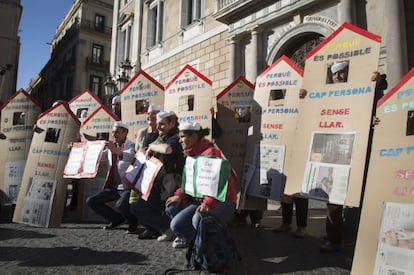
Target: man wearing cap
{"type": "Point", "coordinates": [167, 149]}
{"type": "Point", "coordinates": [149, 134]}
{"type": "Point", "coordinates": [121, 154]}
{"type": "Point", "coordinates": [339, 72]}
{"type": "Point", "coordinates": [116, 106]}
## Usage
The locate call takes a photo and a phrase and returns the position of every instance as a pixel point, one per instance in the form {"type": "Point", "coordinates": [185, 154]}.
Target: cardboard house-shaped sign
{"type": "Point", "coordinates": [335, 117]}
{"type": "Point", "coordinates": [386, 232]}
{"type": "Point", "coordinates": [234, 105]}
{"type": "Point", "coordinates": [84, 104]}
{"type": "Point", "coordinates": [273, 120]}
{"type": "Point", "coordinates": [42, 195]}
{"type": "Point", "coordinates": [98, 126]}
{"type": "Point", "coordinates": [18, 115]}
{"type": "Point", "coordinates": [189, 95]}
{"type": "Point", "coordinates": [137, 95]}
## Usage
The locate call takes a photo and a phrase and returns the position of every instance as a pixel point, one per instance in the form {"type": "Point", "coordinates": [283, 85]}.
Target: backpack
{"type": "Point", "coordinates": [211, 249]}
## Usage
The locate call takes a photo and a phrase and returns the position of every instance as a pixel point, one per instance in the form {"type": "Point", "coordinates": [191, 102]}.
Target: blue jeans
{"type": "Point", "coordinates": [98, 203]}
{"type": "Point", "coordinates": [185, 219]}
{"type": "Point", "coordinates": [124, 207]}
{"type": "Point", "coordinates": [151, 214]}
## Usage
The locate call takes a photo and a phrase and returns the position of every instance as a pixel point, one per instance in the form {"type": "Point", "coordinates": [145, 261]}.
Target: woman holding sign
{"type": "Point", "coordinates": [167, 149]}
{"type": "Point", "coordinates": [187, 206]}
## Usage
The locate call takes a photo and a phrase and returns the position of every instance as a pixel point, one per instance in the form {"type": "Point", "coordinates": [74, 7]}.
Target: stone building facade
{"type": "Point", "coordinates": [227, 38]}
{"type": "Point", "coordinates": [79, 54]}
{"type": "Point", "coordinates": [10, 14]}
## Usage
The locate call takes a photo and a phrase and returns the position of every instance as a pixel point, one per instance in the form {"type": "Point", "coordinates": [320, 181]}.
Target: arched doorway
{"type": "Point", "coordinates": [297, 42]}
{"type": "Point", "coordinates": [298, 49]}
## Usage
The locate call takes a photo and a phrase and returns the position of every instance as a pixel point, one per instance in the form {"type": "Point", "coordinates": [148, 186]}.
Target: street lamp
{"type": "Point", "coordinates": [125, 71]}
{"type": "Point", "coordinates": [110, 86]}
{"type": "Point", "coordinates": [113, 87]}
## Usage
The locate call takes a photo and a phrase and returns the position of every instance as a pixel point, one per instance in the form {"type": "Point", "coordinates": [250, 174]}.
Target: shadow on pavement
{"type": "Point", "coordinates": [65, 256]}
{"type": "Point", "coordinates": [8, 234]}
{"type": "Point", "coordinates": [264, 252]}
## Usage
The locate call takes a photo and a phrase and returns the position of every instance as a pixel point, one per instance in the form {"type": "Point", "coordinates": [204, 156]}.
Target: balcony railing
{"type": "Point", "coordinates": [229, 11]}
{"type": "Point", "coordinates": [90, 25]}
{"type": "Point", "coordinates": [222, 4]}
{"type": "Point", "coordinates": [98, 66]}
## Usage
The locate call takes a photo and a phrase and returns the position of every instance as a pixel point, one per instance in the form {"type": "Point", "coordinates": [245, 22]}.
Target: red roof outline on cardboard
{"type": "Point", "coordinates": [106, 109]}
{"type": "Point", "coordinates": [142, 72]}
{"type": "Point", "coordinates": [234, 83]}
{"type": "Point", "coordinates": [87, 91]}
{"type": "Point", "coordinates": [347, 26]}
{"type": "Point", "coordinates": [194, 71]}
{"type": "Point", "coordinates": [397, 87]}
{"type": "Point", "coordinates": [37, 103]}
{"type": "Point", "coordinates": [66, 106]}
{"type": "Point", "coordinates": [285, 59]}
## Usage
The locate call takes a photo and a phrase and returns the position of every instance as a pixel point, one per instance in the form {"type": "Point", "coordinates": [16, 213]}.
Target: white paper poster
{"type": "Point", "coordinates": [208, 174]}
{"type": "Point", "coordinates": [189, 175]}
{"type": "Point", "coordinates": [395, 253]}
{"type": "Point", "coordinates": [37, 204]}
{"type": "Point", "coordinates": [328, 166]}
{"type": "Point", "coordinates": [13, 173]}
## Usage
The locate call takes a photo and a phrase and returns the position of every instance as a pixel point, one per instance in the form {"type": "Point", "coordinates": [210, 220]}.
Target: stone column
{"type": "Point", "coordinates": [256, 54]}
{"type": "Point", "coordinates": [234, 59]}
{"type": "Point", "coordinates": [345, 11]}
{"type": "Point", "coordinates": [395, 41]}
{"type": "Point", "coordinates": [114, 39]}
{"type": "Point", "coordinates": [137, 35]}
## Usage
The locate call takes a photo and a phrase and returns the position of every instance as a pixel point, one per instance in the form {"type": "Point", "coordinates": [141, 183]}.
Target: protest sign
{"type": "Point", "coordinates": [206, 176]}
{"type": "Point", "coordinates": [49, 150]}
{"type": "Point", "coordinates": [142, 173]}
{"type": "Point", "coordinates": [190, 96]}
{"type": "Point", "coordinates": [84, 104]}
{"type": "Point", "coordinates": [335, 117]}
{"type": "Point", "coordinates": [234, 106]}
{"type": "Point", "coordinates": [385, 230]}
{"type": "Point", "coordinates": [98, 126]}
{"type": "Point", "coordinates": [137, 95]}
{"type": "Point", "coordinates": [84, 159]}
{"type": "Point", "coordinates": [18, 115]}
{"type": "Point", "coordinates": [274, 115]}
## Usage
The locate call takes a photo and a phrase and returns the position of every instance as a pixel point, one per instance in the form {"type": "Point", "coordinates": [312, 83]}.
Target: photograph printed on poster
{"type": "Point", "coordinates": [333, 148]}
{"type": "Point", "coordinates": [327, 169]}
{"type": "Point", "coordinates": [395, 250]}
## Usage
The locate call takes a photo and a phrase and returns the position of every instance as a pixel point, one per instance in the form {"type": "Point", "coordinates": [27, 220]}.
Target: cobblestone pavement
{"type": "Point", "coordinates": [76, 248]}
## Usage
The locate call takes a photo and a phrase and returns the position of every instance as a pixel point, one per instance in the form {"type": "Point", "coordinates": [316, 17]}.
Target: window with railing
{"type": "Point", "coordinates": [155, 22]}
{"type": "Point", "coordinates": [97, 54]}
{"type": "Point", "coordinates": [191, 11]}
{"type": "Point", "coordinates": [99, 23]}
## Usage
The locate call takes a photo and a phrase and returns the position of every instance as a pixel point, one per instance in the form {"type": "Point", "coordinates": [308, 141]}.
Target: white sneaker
{"type": "Point", "coordinates": [167, 236]}
{"type": "Point", "coordinates": [179, 243]}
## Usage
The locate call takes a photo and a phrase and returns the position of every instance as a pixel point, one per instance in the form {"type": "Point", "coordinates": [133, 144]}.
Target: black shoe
{"type": "Point", "coordinates": [329, 247]}
{"type": "Point", "coordinates": [112, 225]}
{"type": "Point", "coordinates": [148, 234]}
{"type": "Point", "coordinates": [132, 229]}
